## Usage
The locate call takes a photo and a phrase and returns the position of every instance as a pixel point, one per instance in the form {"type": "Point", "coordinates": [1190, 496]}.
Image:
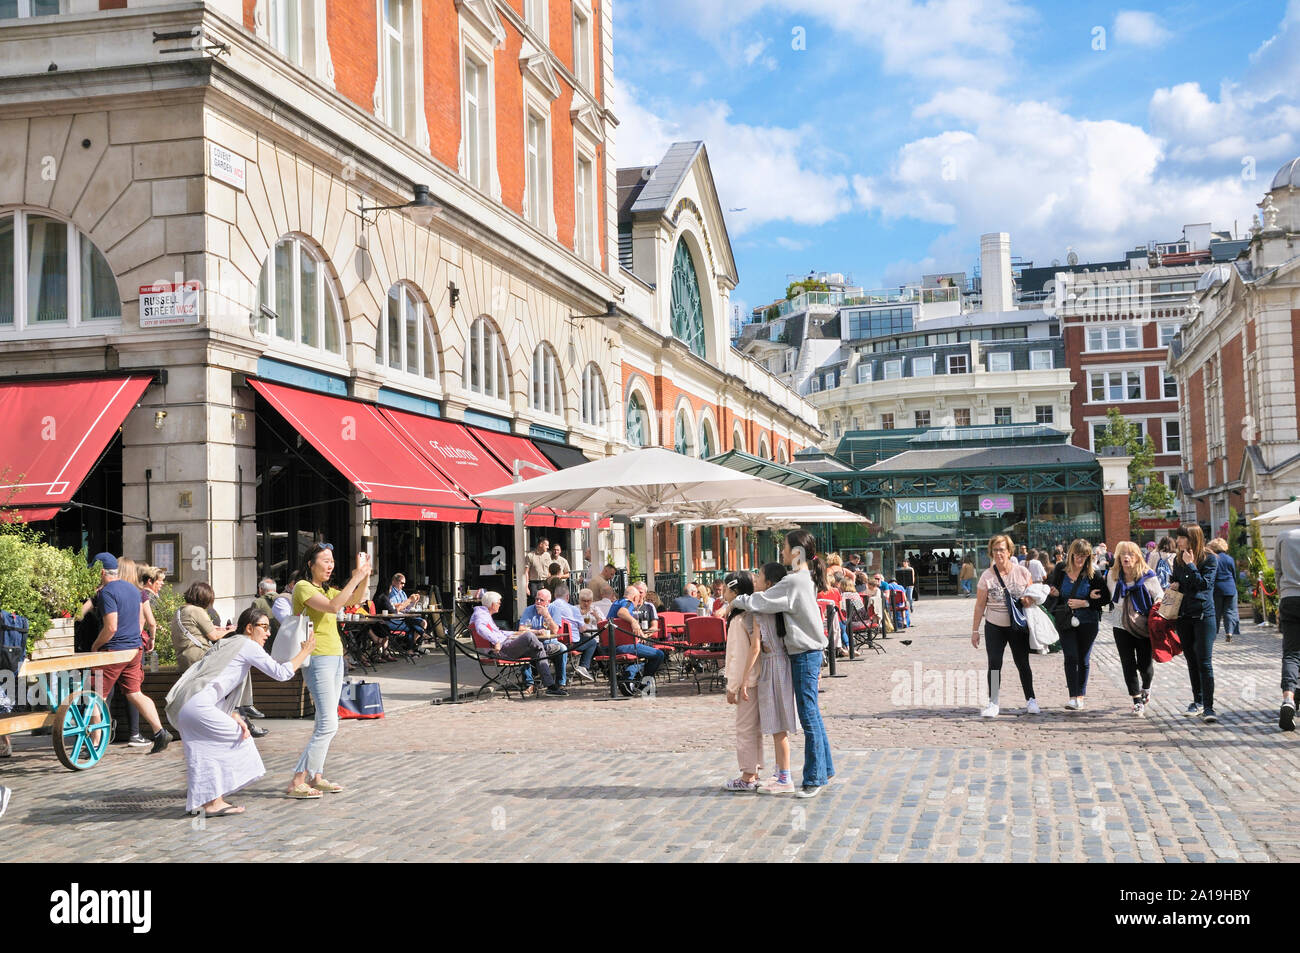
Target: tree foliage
{"type": "Point", "coordinates": [796, 288]}
{"type": "Point", "coordinates": [1145, 492]}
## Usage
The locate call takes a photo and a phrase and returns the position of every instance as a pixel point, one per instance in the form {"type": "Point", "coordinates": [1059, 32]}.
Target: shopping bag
{"type": "Point", "coordinates": [361, 700]}
{"type": "Point", "coordinates": [288, 641]}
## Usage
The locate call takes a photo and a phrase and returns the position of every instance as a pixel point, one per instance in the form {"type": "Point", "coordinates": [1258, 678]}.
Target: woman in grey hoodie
{"type": "Point", "coordinates": [799, 619]}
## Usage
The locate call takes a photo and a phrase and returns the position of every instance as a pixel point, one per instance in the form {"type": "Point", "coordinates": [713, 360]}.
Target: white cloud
{"type": "Point", "coordinates": [774, 173]}
{"type": "Point", "coordinates": [942, 40]}
{"type": "Point", "coordinates": [1139, 28]}
{"type": "Point", "coordinates": [792, 244]}
{"type": "Point", "coordinates": [753, 54]}
{"type": "Point", "coordinates": [1254, 124]}
{"type": "Point", "coordinates": [1048, 178]}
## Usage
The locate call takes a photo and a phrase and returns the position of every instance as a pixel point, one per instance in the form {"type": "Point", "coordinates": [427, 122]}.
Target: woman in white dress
{"type": "Point", "coordinates": [220, 755]}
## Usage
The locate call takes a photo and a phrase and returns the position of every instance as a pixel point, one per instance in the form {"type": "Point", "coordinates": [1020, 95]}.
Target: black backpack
{"type": "Point", "coordinates": [86, 629]}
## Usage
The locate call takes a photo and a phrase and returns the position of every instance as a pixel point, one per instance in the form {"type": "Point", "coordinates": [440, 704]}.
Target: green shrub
{"type": "Point", "coordinates": [42, 582]}
{"type": "Point", "coordinates": [164, 610]}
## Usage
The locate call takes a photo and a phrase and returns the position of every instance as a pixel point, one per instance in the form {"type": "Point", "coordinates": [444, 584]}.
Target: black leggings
{"type": "Point", "coordinates": [996, 639]}
{"type": "Point", "coordinates": [1135, 658]}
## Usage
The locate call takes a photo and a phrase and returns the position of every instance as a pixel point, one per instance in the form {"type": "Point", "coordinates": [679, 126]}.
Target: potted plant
{"type": "Point", "coordinates": [43, 583]}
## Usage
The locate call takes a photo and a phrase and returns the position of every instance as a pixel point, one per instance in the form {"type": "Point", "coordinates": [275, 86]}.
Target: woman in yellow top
{"type": "Point", "coordinates": [324, 676]}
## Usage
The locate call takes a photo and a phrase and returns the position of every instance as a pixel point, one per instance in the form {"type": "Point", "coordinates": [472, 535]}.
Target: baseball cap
{"type": "Point", "coordinates": [107, 560]}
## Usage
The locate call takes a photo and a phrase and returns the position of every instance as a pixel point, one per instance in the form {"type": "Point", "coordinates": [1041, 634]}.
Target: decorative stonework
{"type": "Point", "coordinates": [536, 63]}
{"type": "Point", "coordinates": [687, 206]}
{"type": "Point", "coordinates": [377, 100]}
{"type": "Point", "coordinates": [259, 18]}
{"type": "Point", "coordinates": [588, 118]}
{"type": "Point", "coordinates": [485, 17]}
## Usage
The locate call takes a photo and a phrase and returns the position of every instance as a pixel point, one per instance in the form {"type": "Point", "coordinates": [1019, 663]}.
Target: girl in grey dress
{"type": "Point", "coordinates": [777, 709]}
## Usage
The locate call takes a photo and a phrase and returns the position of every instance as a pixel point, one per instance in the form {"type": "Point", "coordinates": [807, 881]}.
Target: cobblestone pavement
{"type": "Point", "coordinates": [919, 775]}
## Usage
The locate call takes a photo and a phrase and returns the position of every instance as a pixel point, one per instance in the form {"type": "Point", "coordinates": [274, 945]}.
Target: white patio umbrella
{"type": "Point", "coordinates": [649, 481]}
{"type": "Point", "coordinates": [1286, 513]}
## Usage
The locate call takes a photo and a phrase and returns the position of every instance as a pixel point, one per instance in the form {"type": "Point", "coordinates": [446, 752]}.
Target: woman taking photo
{"type": "Point", "coordinates": [324, 675]}
{"type": "Point", "coordinates": [220, 756]}
{"type": "Point", "coordinates": [795, 598]}
{"type": "Point", "coordinates": [1193, 576]}
{"type": "Point", "coordinates": [1133, 589]}
{"type": "Point", "coordinates": [1004, 579]}
{"type": "Point", "coordinates": [1077, 595]}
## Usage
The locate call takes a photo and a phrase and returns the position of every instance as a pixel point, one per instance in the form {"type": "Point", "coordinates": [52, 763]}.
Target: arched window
{"type": "Point", "coordinates": [687, 310]}
{"type": "Point", "coordinates": [485, 362]}
{"type": "Point", "coordinates": [738, 439]}
{"type": "Point", "coordinates": [763, 450]}
{"type": "Point", "coordinates": [595, 405]}
{"type": "Point", "coordinates": [547, 396]}
{"type": "Point", "coordinates": [52, 276]}
{"type": "Point", "coordinates": [405, 341]}
{"type": "Point", "coordinates": [296, 297]}
{"type": "Point", "coordinates": [706, 442]}
{"type": "Point", "coordinates": [638, 422]}
{"type": "Point", "coordinates": [780, 454]}
{"type": "Point", "coordinates": [682, 434]}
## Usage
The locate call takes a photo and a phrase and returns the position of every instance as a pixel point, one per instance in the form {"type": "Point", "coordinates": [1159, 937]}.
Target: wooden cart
{"type": "Point", "coordinates": [77, 715]}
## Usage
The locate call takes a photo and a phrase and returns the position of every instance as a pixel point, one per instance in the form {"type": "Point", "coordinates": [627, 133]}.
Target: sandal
{"type": "Point", "coordinates": [737, 785]}
{"type": "Point", "coordinates": [303, 791]}
{"type": "Point", "coordinates": [227, 811]}
{"type": "Point", "coordinates": [327, 787]}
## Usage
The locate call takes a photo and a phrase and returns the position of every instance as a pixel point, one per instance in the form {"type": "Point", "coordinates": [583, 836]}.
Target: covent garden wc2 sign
{"type": "Point", "coordinates": [939, 509]}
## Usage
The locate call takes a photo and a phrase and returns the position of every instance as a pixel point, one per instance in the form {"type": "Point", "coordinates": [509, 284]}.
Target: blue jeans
{"type": "Point", "coordinates": [968, 587]}
{"type": "Point", "coordinates": [1225, 608]}
{"type": "Point", "coordinates": [1076, 647]}
{"type": "Point", "coordinates": [653, 657]}
{"type": "Point", "coordinates": [806, 670]}
{"type": "Point", "coordinates": [324, 678]}
{"type": "Point", "coordinates": [1197, 636]}
{"type": "Point", "coordinates": [559, 659]}
{"type": "Point", "coordinates": [587, 647]}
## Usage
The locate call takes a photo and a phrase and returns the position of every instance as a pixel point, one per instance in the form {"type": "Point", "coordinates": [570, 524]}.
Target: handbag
{"type": "Point", "coordinates": [288, 641]}
{"type": "Point", "coordinates": [1019, 621]}
{"type": "Point", "coordinates": [1133, 621]}
{"type": "Point", "coordinates": [361, 700]}
{"type": "Point", "coordinates": [1171, 604]}
{"type": "Point", "coordinates": [1165, 644]}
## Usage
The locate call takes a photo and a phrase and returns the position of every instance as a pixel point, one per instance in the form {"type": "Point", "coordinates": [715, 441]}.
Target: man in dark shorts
{"type": "Point", "coordinates": [121, 611]}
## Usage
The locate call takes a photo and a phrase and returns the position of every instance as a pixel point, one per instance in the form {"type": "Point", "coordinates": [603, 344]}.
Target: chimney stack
{"type": "Point", "coordinates": [997, 288]}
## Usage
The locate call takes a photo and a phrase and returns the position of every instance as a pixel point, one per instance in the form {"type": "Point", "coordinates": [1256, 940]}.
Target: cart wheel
{"type": "Point", "coordinates": [81, 730]}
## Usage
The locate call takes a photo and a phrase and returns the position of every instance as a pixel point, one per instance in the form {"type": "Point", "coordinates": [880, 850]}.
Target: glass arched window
{"type": "Point", "coordinates": [296, 297]}
{"type": "Point", "coordinates": [763, 450]}
{"type": "Point", "coordinates": [405, 341]}
{"type": "Point", "coordinates": [547, 396]}
{"type": "Point", "coordinates": [638, 422]}
{"type": "Point", "coordinates": [737, 440]}
{"type": "Point", "coordinates": [682, 435]}
{"type": "Point", "coordinates": [52, 276]}
{"type": "Point", "coordinates": [706, 444]}
{"type": "Point", "coordinates": [780, 454]}
{"type": "Point", "coordinates": [485, 362]}
{"type": "Point", "coordinates": [687, 310]}
{"type": "Point", "coordinates": [595, 405]}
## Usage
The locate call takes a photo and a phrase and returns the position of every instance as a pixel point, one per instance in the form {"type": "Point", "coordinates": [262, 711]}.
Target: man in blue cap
{"type": "Point", "coordinates": [122, 614]}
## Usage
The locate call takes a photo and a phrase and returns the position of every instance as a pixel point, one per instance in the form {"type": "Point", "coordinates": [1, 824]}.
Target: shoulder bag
{"type": "Point", "coordinates": [1171, 604]}
{"type": "Point", "coordinates": [288, 641]}
{"type": "Point", "coordinates": [1133, 621]}
{"type": "Point", "coordinates": [1019, 622]}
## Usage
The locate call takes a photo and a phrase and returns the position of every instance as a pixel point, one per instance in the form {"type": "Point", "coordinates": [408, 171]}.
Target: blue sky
{"type": "Point", "coordinates": [902, 130]}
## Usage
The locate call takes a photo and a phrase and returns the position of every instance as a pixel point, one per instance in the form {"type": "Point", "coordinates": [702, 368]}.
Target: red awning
{"type": "Point", "coordinates": [357, 439]}
{"type": "Point", "coordinates": [451, 449]}
{"type": "Point", "coordinates": [52, 433]}
{"type": "Point", "coordinates": [508, 448]}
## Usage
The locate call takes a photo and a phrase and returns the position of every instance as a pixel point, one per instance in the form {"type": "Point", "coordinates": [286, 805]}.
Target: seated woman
{"type": "Point", "coordinates": [220, 756]}
{"type": "Point", "coordinates": [194, 632]}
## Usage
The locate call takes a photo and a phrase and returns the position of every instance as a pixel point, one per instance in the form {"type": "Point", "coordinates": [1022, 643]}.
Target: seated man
{"type": "Point", "coordinates": [562, 610]}
{"type": "Point", "coordinates": [399, 601]}
{"type": "Point", "coordinates": [645, 610]}
{"type": "Point", "coordinates": [688, 601]}
{"type": "Point", "coordinates": [545, 624]}
{"type": "Point", "coordinates": [624, 610]}
{"type": "Point", "coordinates": [512, 645]}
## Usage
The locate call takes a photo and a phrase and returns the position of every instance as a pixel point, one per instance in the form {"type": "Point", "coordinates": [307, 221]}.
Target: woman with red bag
{"type": "Point", "coordinates": [1134, 589]}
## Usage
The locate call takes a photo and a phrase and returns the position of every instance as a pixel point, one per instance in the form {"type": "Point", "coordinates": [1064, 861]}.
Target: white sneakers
{"type": "Point", "coordinates": [1139, 709]}
{"type": "Point", "coordinates": [1074, 704]}
{"type": "Point", "coordinates": [1031, 707]}
{"type": "Point", "coordinates": [990, 711]}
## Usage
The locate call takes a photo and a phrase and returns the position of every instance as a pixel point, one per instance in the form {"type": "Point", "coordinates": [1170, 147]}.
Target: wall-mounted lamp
{"type": "Point", "coordinates": [453, 295]}
{"type": "Point", "coordinates": [238, 421]}
{"type": "Point", "coordinates": [158, 418]}
{"type": "Point", "coordinates": [421, 209]}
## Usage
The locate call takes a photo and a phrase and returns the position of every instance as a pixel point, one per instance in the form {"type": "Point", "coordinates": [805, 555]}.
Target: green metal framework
{"type": "Point", "coordinates": [687, 310]}
{"type": "Point", "coordinates": [768, 470]}
{"type": "Point", "coordinates": [638, 430]}
{"type": "Point", "coordinates": [1026, 479]}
